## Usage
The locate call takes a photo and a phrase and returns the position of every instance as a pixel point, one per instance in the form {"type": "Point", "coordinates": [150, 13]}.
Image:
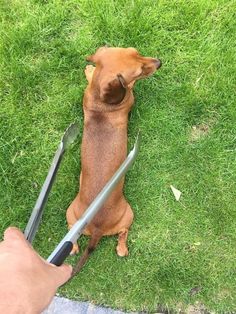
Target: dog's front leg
{"type": "Point", "coordinates": [89, 72]}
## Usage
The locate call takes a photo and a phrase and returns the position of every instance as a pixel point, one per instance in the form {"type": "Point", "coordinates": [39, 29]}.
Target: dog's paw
{"type": "Point", "coordinates": [74, 250]}
{"type": "Point", "coordinates": [89, 72]}
{"type": "Point", "coordinates": [89, 68]}
{"type": "Point", "coordinates": [122, 250]}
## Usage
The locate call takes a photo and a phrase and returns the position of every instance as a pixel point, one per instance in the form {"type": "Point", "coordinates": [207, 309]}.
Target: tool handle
{"type": "Point", "coordinates": [62, 254]}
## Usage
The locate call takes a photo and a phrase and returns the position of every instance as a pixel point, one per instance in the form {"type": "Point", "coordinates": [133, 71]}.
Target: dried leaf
{"type": "Point", "coordinates": [176, 192]}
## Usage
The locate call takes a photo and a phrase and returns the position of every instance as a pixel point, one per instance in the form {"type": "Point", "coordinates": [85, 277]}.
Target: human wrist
{"type": "Point", "coordinates": [14, 300]}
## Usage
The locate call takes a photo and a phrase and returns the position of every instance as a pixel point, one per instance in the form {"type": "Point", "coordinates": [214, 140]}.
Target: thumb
{"type": "Point", "coordinates": [13, 234]}
{"type": "Point", "coordinates": [62, 274]}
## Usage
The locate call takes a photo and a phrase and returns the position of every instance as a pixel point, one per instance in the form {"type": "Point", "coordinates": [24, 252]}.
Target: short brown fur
{"type": "Point", "coordinates": [107, 101]}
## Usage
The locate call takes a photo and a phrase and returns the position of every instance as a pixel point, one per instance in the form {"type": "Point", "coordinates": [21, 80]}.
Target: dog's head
{"type": "Point", "coordinates": [117, 69]}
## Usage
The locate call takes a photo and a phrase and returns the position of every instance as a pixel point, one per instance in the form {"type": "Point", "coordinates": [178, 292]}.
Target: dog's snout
{"type": "Point", "coordinates": [157, 63]}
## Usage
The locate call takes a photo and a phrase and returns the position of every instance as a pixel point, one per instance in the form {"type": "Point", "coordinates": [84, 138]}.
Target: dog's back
{"type": "Point", "coordinates": [107, 101]}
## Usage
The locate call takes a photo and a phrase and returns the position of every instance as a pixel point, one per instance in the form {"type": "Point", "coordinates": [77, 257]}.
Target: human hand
{"type": "Point", "coordinates": [27, 282]}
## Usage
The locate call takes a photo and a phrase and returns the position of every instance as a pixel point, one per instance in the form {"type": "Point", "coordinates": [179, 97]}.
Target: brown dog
{"type": "Point", "coordinates": [107, 101]}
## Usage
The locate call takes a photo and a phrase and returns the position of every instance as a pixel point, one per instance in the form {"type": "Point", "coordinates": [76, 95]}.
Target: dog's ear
{"type": "Point", "coordinates": [113, 92]}
{"type": "Point", "coordinates": [97, 55]}
{"type": "Point", "coordinates": [91, 58]}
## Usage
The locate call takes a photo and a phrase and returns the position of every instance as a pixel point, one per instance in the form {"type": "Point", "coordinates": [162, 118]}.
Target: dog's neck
{"type": "Point", "coordinates": [93, 103]}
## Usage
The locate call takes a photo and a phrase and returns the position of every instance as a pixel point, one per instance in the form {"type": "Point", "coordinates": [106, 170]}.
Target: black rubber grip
{"type": "Point", "coordinates": [62, 254]}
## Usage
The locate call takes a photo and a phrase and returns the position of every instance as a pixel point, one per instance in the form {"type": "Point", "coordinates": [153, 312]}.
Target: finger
{"type": "Point", "coordinates": [14, 237]}
{"type": "Point", "coordinates": [62, 274]}
{"type": "Point", "coordinates": [13, 233]}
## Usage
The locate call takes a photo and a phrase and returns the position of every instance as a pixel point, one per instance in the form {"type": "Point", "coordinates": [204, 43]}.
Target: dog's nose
{"type": "Point", "coordinates": [157, 63]}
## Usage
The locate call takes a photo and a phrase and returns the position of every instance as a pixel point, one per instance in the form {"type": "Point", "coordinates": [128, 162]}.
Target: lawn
{"type": "Point", "coordinates": [181, 253]}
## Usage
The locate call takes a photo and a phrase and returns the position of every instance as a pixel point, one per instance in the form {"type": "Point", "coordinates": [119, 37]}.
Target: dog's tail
{"type": "Point", "coordinates": [93, 242]}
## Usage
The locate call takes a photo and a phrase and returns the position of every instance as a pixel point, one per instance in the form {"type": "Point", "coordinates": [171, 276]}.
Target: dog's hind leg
{"type": "Point", "coordinates": [72, 215]}
{"type": "Point", "coordinates": [122, 249]}
{"type": "Point", "coordinates": [71, 220]}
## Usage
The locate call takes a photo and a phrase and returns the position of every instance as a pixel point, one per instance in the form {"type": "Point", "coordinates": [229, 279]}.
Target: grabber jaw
{"type": "Point", "coordinates": [68, 138]}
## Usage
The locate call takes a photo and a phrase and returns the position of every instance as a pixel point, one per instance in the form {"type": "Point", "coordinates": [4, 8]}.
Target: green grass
{"type": "Point", "coordinates": [174, 246]}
